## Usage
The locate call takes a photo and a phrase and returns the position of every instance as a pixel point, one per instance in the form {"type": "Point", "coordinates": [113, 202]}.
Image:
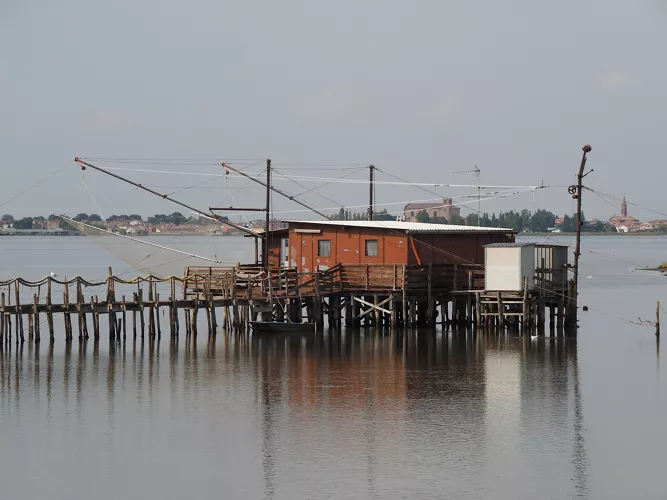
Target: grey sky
{"type": "Point", "coordinates": [421, 89]}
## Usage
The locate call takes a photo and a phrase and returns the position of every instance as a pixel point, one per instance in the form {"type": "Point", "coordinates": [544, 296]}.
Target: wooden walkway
{"type": "Point", "coordinates": [351, 295]}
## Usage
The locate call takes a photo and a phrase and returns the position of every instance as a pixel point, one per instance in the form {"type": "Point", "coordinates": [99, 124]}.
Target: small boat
{"type": "Point", "coordinates": [278, 327]}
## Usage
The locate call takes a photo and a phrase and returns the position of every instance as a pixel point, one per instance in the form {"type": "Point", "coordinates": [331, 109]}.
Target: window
{"type": "Point", "coordinates": [412, 214]}
{"type": "Point", "coordinates": [324, 248]}
{"type": "Point", "coordinates": [371, 248]}
{"type": "Point", "coordinates": [435, 213]}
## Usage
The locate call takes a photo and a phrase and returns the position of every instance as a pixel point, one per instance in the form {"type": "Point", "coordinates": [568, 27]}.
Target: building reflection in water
{"type": "Point", "coordinates": [376, 412]}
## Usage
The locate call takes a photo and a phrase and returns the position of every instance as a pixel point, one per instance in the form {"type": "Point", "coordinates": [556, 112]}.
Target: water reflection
{"type": "Point", "coordinates": [350, 414]}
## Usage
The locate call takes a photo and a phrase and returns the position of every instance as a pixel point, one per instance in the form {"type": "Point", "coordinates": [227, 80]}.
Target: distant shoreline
{"type": "Point", "coordinates": [596, 234]}
{"type": "Point", "coordinates": [61, 233]}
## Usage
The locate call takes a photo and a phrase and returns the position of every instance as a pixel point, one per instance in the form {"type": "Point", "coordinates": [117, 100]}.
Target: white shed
{"type": "Point", "coordinates": [506, 265]}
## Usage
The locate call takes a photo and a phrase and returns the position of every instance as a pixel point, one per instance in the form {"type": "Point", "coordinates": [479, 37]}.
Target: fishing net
{"type": "Point", "coordinates": [168, 255]}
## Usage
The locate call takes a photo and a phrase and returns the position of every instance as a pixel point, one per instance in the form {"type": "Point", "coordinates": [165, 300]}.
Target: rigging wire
{"type": "Point", "coordinates": [501, 195]}
{"type": "Point", "coordinates": [332, 179]}
{"type": "Point", "coordinates": [308, 190]}
{"type": "Point", "coordinates": [408, 182]}
{"type": "Point", "coordinates": [99, 210]}
{"type": "Point", "coordinates": [209, 180]}
{"type": "Point", "coordinates": [326, 183]}
{"type": "Point", "coordinates": [55, 172]}
{"type": "Point", "coordinates": [628, 202]}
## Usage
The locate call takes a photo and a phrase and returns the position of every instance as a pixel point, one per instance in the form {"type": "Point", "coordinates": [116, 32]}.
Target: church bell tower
{"type": "Point", "coordinates": [624, 208]}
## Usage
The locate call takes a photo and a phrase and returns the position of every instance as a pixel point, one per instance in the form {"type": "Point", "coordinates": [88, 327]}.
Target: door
{"type": "Point", "coordinates": [284, 252]}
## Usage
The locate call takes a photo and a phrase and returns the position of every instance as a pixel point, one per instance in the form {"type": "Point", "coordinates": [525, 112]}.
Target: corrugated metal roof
{"type": "Point", "coordinates": [509, 245]}
{"type": "Point", "coordinates": [416, 227]}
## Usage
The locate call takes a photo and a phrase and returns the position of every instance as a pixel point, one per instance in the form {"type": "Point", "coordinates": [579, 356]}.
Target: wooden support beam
{"type": "Point", "coordinates": [372, 307]}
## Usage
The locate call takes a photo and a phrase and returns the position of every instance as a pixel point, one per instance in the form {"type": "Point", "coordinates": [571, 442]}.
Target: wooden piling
{"type": "Point", "coordinates": [501, 311]}
{"type": "Point", "coordinates": [151, 305]}
{"type": "Point", "coordinates": [67, 315]}
{"type": "Point", "coordinates": [172, 306]}
{"type": "Point", "coordinates": [657, 319]}
{"type": "Point", "coordinates": [478, 311]}
{"type": "Point", "coordinates": [96, 317]}
{"type": "Point", "coordinates": [524, 312]}
{"type": "Point", "coordinates": [79, 307]}
{"type": "Point", "coordinates": [195, 310]}
{"type": "Point", "coordinates": [124, 308]}
{"type": "Point", "coordinates": [2, 319]}
{"type": "Point", "coordinates": [429, 296]}
{"type": "Point", "coordinates": [404, 291]}
{"type": "Point", "coordinates": [8, 317]}
{"type": "Point", "coordinates": [30, 327]}
{"type": "Point", "coordinates": [35, 312]}
{"type": "Point", "coordinates": [49, 314]}
{"type": "Point", "coordinates": [19, 316]}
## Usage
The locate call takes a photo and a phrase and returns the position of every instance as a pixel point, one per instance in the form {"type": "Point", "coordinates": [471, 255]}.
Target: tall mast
{"type": "Point", "coordinates": [576, 192]}
{"type": "Point", "coordinates": [85, 164]}
{"type": "Point", "coordinates": [275, 190]}
{"type": "Point", "coordinates": [371, 189]}
{"type": "Point", "coordinates": [479, 197]}
{"type": "Point", "coordinates": [267, 225]}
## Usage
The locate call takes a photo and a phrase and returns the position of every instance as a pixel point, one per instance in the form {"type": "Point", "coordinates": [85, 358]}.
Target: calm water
{"type": "Point", "coordinates": [431, 415]}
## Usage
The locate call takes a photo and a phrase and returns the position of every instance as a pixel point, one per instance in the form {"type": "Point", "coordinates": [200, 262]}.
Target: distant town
{"type": "Point", "coordinates": [441, 212]}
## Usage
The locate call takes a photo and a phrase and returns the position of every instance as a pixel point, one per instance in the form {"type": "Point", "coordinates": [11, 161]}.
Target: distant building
{"type": "Point", "coordinates": [39, 223]}
{"type": "Point", "coordinates": [624, 207]}
{"type": "Point", "coordinates": [444, 209]}
{"type": "Point", "coordinates": [274, 224]}
{"type": "Point", "coordinates": [53, 224]}
{"type": "Point", "coordinates": [625, 223]}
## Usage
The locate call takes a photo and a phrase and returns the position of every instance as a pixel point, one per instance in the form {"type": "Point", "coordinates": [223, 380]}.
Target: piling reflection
{"type": "Point", "coordinates": [479, 407]}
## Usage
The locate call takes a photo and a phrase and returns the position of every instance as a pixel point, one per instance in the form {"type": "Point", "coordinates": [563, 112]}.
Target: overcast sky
{"type": "Point", "coordinates": [421, 89]}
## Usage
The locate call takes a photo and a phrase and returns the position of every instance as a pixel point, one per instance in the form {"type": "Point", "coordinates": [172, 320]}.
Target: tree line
{"type": "Point", "coordinates": [539, 221]}
{"type": "Point", "coordinates": [176, 218]}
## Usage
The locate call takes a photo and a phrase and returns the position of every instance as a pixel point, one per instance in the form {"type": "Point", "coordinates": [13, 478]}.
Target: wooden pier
{"type": "Point", "coordinates": [354, 296]}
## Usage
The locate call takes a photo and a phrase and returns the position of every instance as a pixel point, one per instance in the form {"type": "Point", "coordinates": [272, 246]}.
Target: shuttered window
{"type": "Point", "coordinates": [371, 248]}
{"type": "Point", "coordinates": [324, 248]}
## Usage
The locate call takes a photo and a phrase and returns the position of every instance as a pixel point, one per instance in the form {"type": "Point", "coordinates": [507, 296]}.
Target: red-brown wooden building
{"type": "Point", "coordinates": [310, 246]}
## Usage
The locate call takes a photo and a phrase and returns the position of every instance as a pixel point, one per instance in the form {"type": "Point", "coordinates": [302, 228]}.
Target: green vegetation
{"type": "Point", "coordinates": [348, 215]}
{"type": "Point", "coordinates": [39, 222]}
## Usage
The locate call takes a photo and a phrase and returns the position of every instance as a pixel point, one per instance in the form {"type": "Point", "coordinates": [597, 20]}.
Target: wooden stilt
{"type": "Point", "coordinates": [404, 298]}
{"type": "Point", "coordinates": [151, 307]}
{"type": "Point", "coordinates": [2, 319]}
{"type": "Point", "coordinates": [96, 317]}
{"type": "Point", "coordinates": [49, 314]}
{"type": "Point", "coordinates": [35, 313]}
{"type": "Point", "coordinates": [478, 311]}
{"type": "Point", "coordinates": [124, 308]}
{"type": "Point", "coordinates": [79, 308]}
{"type": "Point", "coordinates": [19, 316]}
{"type": "Point", "coordinates": [68, 317]}
{"type": "Point", "coordinates": [30, 327]}
{"type": "Point", "coordinates": [501, 311]}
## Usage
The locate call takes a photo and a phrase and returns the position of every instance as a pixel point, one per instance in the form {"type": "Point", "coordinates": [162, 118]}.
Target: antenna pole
{"type": "Point", "coordinates": [85, 164]}
{"type": "Point", "coordinates": [275, 190]}
{"type": "Point", "coordinates": [267, 225]}
{"type": "Point", "coordinates": [479, 199]}
{"type": "Point", "coordinates": [576, 191]}
{"type": "Point", "coordinates": [371, 188]}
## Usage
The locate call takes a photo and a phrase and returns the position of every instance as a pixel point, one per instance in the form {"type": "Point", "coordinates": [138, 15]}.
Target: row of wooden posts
{"type": "Point", "coordinates": [30, 316]}
{"type": "Point", "coordinates": [142, 314]}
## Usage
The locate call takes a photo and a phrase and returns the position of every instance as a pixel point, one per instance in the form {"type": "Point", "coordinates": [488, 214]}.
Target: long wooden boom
{"type": "Point", "coordinates": [85, 164]}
